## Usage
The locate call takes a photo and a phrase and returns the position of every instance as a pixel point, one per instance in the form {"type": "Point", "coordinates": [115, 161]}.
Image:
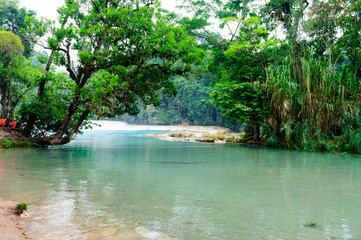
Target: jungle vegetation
{"type": "Point", "coordinates": [288, 70]}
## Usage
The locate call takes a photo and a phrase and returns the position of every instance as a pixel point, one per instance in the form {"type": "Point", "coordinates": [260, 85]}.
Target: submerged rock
{"type": "Point", "coordinates": [312, 225]}
{"type": "Point", "coordinates": [205, 140]}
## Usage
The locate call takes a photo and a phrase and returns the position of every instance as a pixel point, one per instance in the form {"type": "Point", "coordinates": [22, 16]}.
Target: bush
{"type": "Point", "coordinates": [20, 208]}
{"type": "Point", "coordinates": [26, 144]}
{"type": "Point", "coordinates": [319, 112]}
{"type": "Point", "coordinates": [6, 143]}
{"type": "Point", "coordinates": [220, 135]}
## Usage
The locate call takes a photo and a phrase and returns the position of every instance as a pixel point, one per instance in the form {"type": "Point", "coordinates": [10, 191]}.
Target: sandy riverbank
{"type": "Point", "coordinates": [9, 226]}
{"type": "Point", "coordinates": [175, 133]}
{"type": "Point", "coordinates": [117, 125]}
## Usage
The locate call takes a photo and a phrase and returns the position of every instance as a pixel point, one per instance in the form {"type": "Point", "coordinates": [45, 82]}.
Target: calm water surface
{"type": "Point", "coordinates": [186, 190]}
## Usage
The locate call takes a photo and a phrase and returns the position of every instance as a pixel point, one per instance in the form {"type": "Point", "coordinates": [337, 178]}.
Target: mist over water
{"type": "Point", "coordinates": [185, 190]}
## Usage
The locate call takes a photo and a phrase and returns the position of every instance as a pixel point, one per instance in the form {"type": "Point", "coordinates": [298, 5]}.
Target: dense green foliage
{"type": "Point", "coordinates": [6, 143]}
{"type": "Point", "coordinates": [16, 73]}
{"type": "Point", "coordinates": [126, 53]}
{"type": "Point", "coordinates": [241, 73]}
{"type": "Point", "coordinates": [301, 92]}
{"type": "Point", "coordinates": [13, 19]}
{"type": "Point", "coordinates": [319, 113]}
{"type": "Point", "coordinates": [289, 70]}
{"type": "Point", "coordinates": [191, 106]}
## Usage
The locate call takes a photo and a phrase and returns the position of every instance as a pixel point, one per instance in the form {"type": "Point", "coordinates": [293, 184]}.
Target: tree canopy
{"type": "Point", "coordinates": [116, 54]}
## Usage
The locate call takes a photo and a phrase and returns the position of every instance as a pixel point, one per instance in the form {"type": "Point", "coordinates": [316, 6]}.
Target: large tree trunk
{"type": "Point", "coordinates": [4, 102]}
{"type": "Point", "coordinates": [59, 135]}
{"type": "Point", "coordinates": [63, 136]}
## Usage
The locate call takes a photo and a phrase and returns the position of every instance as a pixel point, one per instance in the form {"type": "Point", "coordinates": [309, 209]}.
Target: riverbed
{"type": "Point", "coordinates": [118, 184]}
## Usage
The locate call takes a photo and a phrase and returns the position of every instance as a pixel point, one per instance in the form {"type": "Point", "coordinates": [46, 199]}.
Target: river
{"type": "Point", "coordinates": [183, 190]}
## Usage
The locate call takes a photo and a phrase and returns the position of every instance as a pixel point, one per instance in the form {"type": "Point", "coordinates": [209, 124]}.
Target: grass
{"type": "Point", "coordinates": [6, 143]}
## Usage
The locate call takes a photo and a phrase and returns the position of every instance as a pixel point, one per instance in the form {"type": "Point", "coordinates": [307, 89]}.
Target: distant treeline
{"type": "Point", "coordinates": [192, 105]}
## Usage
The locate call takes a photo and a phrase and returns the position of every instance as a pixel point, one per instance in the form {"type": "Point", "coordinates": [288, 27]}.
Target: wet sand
{"type": "Point", "coordinates": [9, 226]}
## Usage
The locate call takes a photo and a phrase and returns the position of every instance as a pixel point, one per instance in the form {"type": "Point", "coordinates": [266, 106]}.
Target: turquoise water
{"type": "Point", "coordinates": [185, 190]}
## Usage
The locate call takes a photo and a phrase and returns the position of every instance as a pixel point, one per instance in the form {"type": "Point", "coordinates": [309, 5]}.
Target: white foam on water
{"type": "Point", "coordinates": [152, 235]}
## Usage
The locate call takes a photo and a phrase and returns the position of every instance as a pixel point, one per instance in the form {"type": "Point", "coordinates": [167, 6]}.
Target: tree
{"type": "Point", "coordinates": [10, 50]}
{"type": "Point", "coordinates": [17, 75]}
{"type": "Point", "coordinates": [320, 112]}
{"type": "Point", "coordinates": [238, 61]}
{"type": "Point", "coordinates": [126, 52]}
{"type": "Point", "coordinates": [350, 41]}
{"type": "Point", "coordinates": [290, 14]}
{"type": "Point", "coordinates": [13, 18]}
{"type": "Point", "coordinates": [205, 13]}
{"type": "Point", "coordinates": [241, 71]}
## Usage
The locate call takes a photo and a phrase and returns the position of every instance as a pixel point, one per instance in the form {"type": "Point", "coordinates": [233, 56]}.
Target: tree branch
{"type": "Point", "coordinates": [68, 64]}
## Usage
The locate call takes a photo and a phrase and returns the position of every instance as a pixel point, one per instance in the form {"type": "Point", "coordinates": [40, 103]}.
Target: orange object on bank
{"type": "Point", "coordinates": [12, 124]}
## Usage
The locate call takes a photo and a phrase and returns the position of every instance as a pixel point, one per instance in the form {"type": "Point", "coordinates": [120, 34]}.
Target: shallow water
{"type": "Point", "coordinates": [117, 179]}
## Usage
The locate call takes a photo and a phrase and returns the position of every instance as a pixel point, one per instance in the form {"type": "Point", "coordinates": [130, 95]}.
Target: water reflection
{"type": "Point", "coordinates": [187, 190]}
